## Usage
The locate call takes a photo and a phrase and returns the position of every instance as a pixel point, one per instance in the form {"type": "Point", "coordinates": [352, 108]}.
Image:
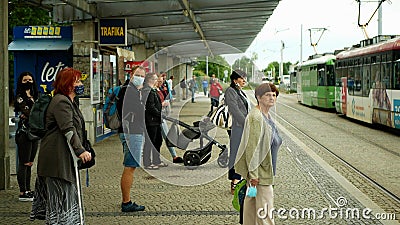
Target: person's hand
{"type": "Point", "coordinates": [85, 156]}
{"type": "Point", "coordinates": [165, 103]}
{"type": "Point", "coordinates": [254, 182]}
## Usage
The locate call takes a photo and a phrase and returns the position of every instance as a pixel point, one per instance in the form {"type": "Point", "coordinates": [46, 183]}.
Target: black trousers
{"type": "Point", "coordinates": [26, 153]}
{"type": "Point", "coordinates": [152, 146]}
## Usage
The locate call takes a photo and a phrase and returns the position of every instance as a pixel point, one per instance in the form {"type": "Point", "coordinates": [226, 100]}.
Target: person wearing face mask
{"type": "Point", "coordinates": [26, 94]}
{"type": "Point", "coordinates": [56, 193]}
{"type": "Point", "coordinates": [238, 107]}
{"type": "Point", "coordinates": [257, 157]}
{"type": "Point", "coordinates": [130, 105]}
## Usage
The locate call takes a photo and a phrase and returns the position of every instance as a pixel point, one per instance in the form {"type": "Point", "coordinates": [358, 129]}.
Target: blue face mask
{"type": "Point", "coordinates": [79, 90]}
{"type": "Point", "coordinates": [251, 191]}
{"type": "Point", "coordinates": [137, 81]}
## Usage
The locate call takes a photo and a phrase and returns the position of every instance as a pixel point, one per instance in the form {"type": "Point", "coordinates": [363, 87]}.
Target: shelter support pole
{"type": "Point", "coordinates": [4, 106]}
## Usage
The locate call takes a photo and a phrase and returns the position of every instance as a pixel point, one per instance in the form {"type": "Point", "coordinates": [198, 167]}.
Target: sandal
{"type": "Point", "coordinates": [151, 167]}
{"type": "Point", "coordinates": [233, 186]}
{"type": "Point", "coordinates": [162, 164]}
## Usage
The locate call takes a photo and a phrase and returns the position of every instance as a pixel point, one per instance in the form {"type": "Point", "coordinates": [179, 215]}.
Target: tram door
{"type": "Point", "coordinates": [343, 95]}
{"type": "Point", "coordinates": [299, 86]}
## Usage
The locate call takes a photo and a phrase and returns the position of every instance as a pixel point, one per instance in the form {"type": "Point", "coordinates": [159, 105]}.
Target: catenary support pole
{"type": "Point", "coordinates": [4, 106]}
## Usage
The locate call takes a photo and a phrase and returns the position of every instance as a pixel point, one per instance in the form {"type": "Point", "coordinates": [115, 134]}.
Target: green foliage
{"type": "Point", "coordinates": [242, 64]}
{"type": "Point", "coordinates": [273, 69]}
{"type": "Point", "coordinates": [246, 65]}
{"type": "Point", "coordinates": [199, 73]}
{"type": "Point", "coordinates": [20, 13]}
{"type": "Point", "coordinates": [216, 65]}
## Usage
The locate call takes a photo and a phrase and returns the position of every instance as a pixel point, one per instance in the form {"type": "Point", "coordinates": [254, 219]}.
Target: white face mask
{"type": "Point", "coordinates": [137, 81]}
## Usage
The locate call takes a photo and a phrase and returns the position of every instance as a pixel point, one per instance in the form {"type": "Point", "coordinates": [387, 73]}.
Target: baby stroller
{"type": "Point", "coordinates": [199, 130]}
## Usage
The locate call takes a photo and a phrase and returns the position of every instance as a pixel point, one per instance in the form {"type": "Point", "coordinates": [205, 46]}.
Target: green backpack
{"type": "Point", "coordinates": [239, 194]}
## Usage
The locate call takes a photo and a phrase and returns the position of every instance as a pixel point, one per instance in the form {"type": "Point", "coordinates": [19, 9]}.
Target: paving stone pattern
{"type": "Point", "coordinates": [167, 202]}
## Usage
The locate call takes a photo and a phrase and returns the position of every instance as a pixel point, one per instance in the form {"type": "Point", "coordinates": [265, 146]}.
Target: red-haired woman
{"type": "Point", "coordinates": [56, 195]}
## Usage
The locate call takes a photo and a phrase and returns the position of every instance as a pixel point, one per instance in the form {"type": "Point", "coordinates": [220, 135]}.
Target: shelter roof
{"type": "Point", "coordinates": [162, 23]}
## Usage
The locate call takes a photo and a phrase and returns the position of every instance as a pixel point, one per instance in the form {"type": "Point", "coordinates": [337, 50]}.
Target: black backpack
{"type": "Point", "coordinates": [182, 83]}
{"type": "Point", "coordinates": [37, 117]}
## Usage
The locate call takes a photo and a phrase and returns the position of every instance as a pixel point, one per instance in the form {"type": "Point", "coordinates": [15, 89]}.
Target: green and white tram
{"type": "Point", "coordinates": [316, 81]}
{"type": "Point", "coordinates": [368, 83]}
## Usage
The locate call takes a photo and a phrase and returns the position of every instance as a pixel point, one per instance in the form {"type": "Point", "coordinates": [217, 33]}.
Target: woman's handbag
{"type": "Point", "coordinates": [221, 117]}
{"type": "Point", "coordinates": [27, 132]}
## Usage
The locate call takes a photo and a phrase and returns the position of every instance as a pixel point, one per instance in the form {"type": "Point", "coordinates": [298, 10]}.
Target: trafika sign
{"type": "Point", "coordinates": [113, 32]}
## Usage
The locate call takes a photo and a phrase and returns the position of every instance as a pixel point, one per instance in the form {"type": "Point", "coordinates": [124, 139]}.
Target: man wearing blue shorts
{"type": "Point", "coordinates": [131, 134]}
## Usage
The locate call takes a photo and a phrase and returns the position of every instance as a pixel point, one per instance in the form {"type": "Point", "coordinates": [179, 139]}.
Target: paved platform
{"type": "Point", "coordinates": [177, 195]}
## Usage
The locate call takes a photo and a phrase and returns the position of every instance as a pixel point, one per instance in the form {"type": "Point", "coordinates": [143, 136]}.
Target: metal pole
{"type": "Point", "coordinates": [207, 65]}
{"type": "Point", "coordinates": [301, 43]}
{"type": "Point", "coordinates": [380, 20]}
{"type": "Point", "coordinates": [4, 90]}
{"type": "Point", "coordinates": [281, 64]}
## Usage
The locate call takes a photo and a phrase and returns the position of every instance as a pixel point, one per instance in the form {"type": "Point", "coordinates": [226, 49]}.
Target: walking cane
{"type": "Point", "coordinates": [69, 135]}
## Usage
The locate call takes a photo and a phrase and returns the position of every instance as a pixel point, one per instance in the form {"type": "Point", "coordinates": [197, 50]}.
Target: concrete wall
{"type": "Point", "coordinates": [83, 40]}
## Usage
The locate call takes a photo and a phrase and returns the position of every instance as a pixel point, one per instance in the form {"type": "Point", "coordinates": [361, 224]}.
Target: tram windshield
{"type": "Point", "coordinates": [326, 75]}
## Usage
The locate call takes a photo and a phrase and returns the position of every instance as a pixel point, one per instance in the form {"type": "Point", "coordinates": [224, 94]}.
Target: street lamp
{"type": "Point", "coordinates": [281, 63]}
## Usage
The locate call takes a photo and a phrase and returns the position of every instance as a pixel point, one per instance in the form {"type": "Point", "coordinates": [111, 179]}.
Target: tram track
{"type": "Point", "coordinates": [344, 130]}
{"type": "Point", "coordinates": [336, 156]}
{"type": "Point", "coordinates": [327, 142]}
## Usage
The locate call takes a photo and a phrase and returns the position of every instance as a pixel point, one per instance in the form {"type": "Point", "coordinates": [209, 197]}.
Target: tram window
{"type": "Point", "coordinates": [373, 59]}
{"type": "Point", "coordinates": [385, 76]}
{"type": "Point", "coordinates": [357, 80]}
{"type": "Point", "coordinates": [339, 74]}
{"type": "Point", "coordinates": [375, 76]}
{"type": "Point", "coordinates": [366, 80]}
{"type": "Point", "coordinates": [350, 81]}
{"type": "Point", "coordinates": [330, 75]}
{"type": "Point", "coordinates": [389, 57]}
{"type": "Point", "coordinates": [321, 75]}
{"type": "Point", "coordinates": [396, 56]}
{"type": "Point", "coordinates": [396, 77]}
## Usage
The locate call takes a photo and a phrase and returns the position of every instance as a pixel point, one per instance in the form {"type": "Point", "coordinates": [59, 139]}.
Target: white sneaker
{"type": "Point", "coordinates": [26, 197]}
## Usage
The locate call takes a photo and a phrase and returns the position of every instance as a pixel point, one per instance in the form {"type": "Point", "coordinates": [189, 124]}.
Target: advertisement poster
{"type": "Point", "coordinates": [147, 65]}
{"type": "Point", "coordinates": [95, 76]}
{"type": "Point", "coordinates": [99, 122]}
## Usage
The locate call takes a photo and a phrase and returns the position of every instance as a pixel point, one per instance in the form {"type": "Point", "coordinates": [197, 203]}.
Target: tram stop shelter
{"type": "Point", "coordinates": [152, 25]}
{"type": "Point", "coordinates": [161, 23]}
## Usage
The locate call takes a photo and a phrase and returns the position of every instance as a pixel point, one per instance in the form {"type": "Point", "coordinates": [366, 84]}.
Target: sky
{"type": "Point", "coordinates": [339, 17]}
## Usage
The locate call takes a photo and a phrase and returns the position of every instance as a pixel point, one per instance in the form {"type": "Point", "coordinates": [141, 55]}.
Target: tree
{"type": "Point", "coordinates": [272, 69]}
{"type": "Point", "coordinates": [21, 13]}
{"type": "Point", "coordinates": [216, 65]}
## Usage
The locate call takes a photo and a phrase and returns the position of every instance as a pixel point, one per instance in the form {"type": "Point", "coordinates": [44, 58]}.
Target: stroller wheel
{"type": "Point", "coordinates": [222, 161]}
{"type": "Point", "coordinates": [191, 159]}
